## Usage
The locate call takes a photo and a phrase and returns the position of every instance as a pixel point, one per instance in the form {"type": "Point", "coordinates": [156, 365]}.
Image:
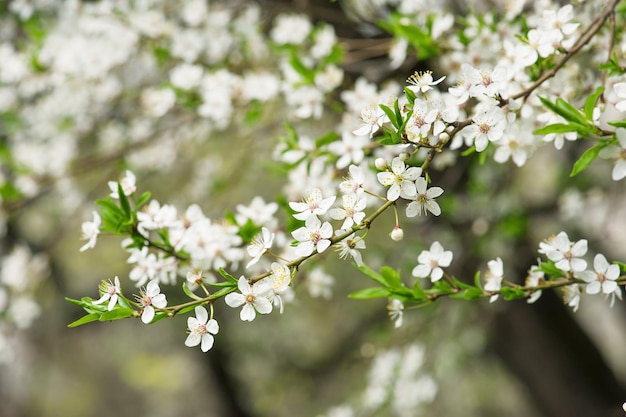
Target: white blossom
{"type": "Point", "coordinates": [253, 298]}
{"type": "Point", "coordinates": [432, 261]}
{"type": "Point", "coordinates": [201, 330]}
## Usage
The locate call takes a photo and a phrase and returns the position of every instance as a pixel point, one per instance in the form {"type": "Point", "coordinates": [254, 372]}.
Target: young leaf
{"type": "Point", "coordinates": [376, 277]}
{"type": "Point", "coordinates": [392, 116]}
{"type": "Point", "coordinates": [587, 158]}
{"type": "Point", "coordinates": [555, 128]}
{"type": "Point", "coordinates": [391, 277]}
{"type": "Point", "coordinates": [367, 293]}
{"type": "Point", "coordinates": [591, 101]}
{"type": "Point", "coordinates": [226, 275]}
{"type": "Point", "coordinates": [143, 199]}
{"type": "Point", "coordinates": [85, 319]}
{"type": "Point", "coordinates": [190, 293]}
{"type": "Point", "coordinates": [117, 314]}
{"type": "Point", "coordinates": [124, 204]}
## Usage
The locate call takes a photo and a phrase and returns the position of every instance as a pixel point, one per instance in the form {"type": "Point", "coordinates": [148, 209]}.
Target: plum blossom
{"type": "Point", "coordinates": [312, 236]}
{"type": "Point", "coordinates": [201, 330]}
{"type": "Point", "coordinates": [278, 282]}
{"type": "Point", "coordinates": [400, 179]}
{"type": "Point", "coordinates": [422, 81]}
{"type": "Point", "coordinates": [90, 231]}
{"type": "Point", "coordinates": [571, 296]}
{"type": "Point", "coordinates": [565, 254]}
{"type": "Point", "coordinates": [424, 201]}
{"type": "Point", "coordinates": [432, 261]}
{"type": "Point", "coordinates": [396, 312]}
{"type": "Point", "coordinates": [603, 279]}
{"type": "Point", "coordinates": [314, 204]}
{"type": "Point", "coordinates": [373, 118]}
{"type": "Point", "coordinates": [351, 246]}
{"type": "Point", "coordinates": [353, 184]}
{"type": "Point", "coordinates": [351, 211]}
{"type": "Point", "coordinates": [253, 298]}
{"type": "Point", "coordinates": [488, 126]}
{"type": "Point", "coordinates": [291, 29]}
{"type": "Point", "coordinates": [349, 149]}
{"type": "Point", "coordinates": [260, 244]}
{"type": "Point", "coordinates": [421, 120]}
{"type": "Point", "coordinates": [110, 292]}
{"type": "Point", "coordinates": [149, 299]}
{"type": "Point", "coordinates": [127, 182]}
{"type": "Point", "coordinates": [535, 277]}
{"type": "Point", "coordinates": [493, 277]}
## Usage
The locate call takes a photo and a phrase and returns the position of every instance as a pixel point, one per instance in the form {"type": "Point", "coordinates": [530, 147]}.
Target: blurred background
{"type": "Point", "coordinates": [70, 136]}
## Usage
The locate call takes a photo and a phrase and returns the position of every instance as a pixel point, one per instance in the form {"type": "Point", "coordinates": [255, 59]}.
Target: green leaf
{"type": "Point", "coordinates": [512, 293]}
{"type": "Point", "coordinates": [248, 231]}
{"type": "Point", "coordinates": [418, 292]}
{"type": "Point", "coordinates": [555, 128]}
{"type": "Point", "coordinates": [410, 95]}
{"type": "Point", "coordinates": [392, 116]}
{"type": "Point", "coordinates": [222, 284]}
{"type": "Point", "coordinates": [85, 319]}
{"type": "Point", "coordinates": [620, 123]}
{"type": "Point", "coordinates": [253, 113]}
{"type": "Point", "coordinates": [190, 293]}
{"type": "Point", "coordinates": [368, 293]}
{"type": "Point", "coordinates": [124, 204]}
{"type": "Point", "coordinates": [326, 139]}
{"type": "Point", "coordinates": [223, 292]}
{"type": "Point", "coordinates": [570, 112]}
{"type": "Point", "coordinates": [117, 314]}
{"type": "Point", "coordinates": [591, 101]}
{"type": "Point", "coordinates": [227, 276]}
{"type": "Point", "coordinates": [477, 280]}
{"type": "Point", "coordinates": [143, 199]}
{"type": "Point", "coordinates": [550, 269]}
{"type": "Point", "coordinates": [588, 157]}
{"type": "Point", "coordinates": [375, 276]}
{"type": "Point", "coordinates": [307, 74]}
{"type": "Point", "coordinates": [391, 277]}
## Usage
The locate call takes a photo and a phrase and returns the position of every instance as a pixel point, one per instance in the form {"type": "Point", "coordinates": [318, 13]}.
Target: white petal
{"type": "Point", "coordinates": [263, 305]}
{"type": "Point", "coordinates": [234, 300]}
{"type": "Point", "coordinates": [322, 245]}
{"type": "Point", "coordinates": [421, 271]}
{"type": "Point", "coordinates": [619, 170]}
{"type": "Point", "coordinates": [201, 314]}
{"type": "Point", "coordinates": [436, 275]}
{"type": "Point", "coordinates": [193, 340]}
{"type": "Point", "coordinates": [433, 207]}
{"type": "Point", "coordinates": [247, 313]}
{"type": "Point", "coordinates": [243, 285]}
{"type": "Point", "coordinates": [212, 326]}
{"type": "Point", "coordinates": [600, 264]}
{"type": "Point", "coordinates": [207, 342]}
{"type": "Point", "coordinates": [159, 301]}
{"type": "Point", "coordinates": [148, 314]}
{"type": "Point", "coordinates": [305, 248]}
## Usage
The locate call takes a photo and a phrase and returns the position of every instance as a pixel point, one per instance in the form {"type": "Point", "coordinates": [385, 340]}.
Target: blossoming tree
{"type": "Point", "coordinates": [479, 156]}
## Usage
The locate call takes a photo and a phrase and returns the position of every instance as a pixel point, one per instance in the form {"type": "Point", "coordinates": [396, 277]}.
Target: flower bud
{"type": "Point", "coordinates": [397, 233]}
{"type": "Point", "coordinates": [381, 164]}
{"type": "Point", "coordinates": [404, 156]}
{"type": "Point", "coordinates": [444, 137]}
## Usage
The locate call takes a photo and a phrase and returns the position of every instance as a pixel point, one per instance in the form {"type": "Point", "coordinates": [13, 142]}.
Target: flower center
{"type": "Point", "coordinates": [250, 299]}
{"type": "Point", "coordinates": [315, 237]}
